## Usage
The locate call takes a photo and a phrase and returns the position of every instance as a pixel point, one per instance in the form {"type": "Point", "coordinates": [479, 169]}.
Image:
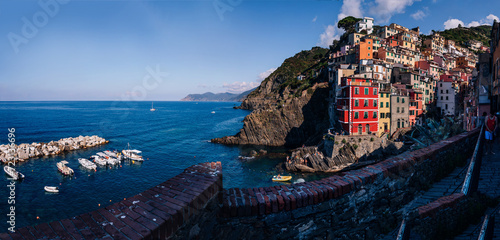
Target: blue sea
{"type": "Point", "coordinates": [173, 138]}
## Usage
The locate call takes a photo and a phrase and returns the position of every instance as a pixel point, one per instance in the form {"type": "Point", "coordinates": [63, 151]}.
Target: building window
{"type": "Point", "coordinates": [441, 97]}
{"type": "Point", "coordinates": [446, 97]}
{"type": "Point", "coordinates": [356, 103]}
{"type": "Point", "coordinates": [366, 103]}
{"type": "Point", "coordinates": [365, 115]}
{"type": "Point", "coordinates": [356, 90]}
{"type": "Point", "coordinates": [397, 109]}
{"type": "Point", "coordinates": [397, 99]}
{"type": "Point", "coordinates": [387, 104]}
{"type": "Point", "coordinates": [374, 114]}
{"type": "Point", "coordinates": [446, 106]}
{"type": "Point", "coordinates": [441, 90]}
{"type": "Point", "coordinates": [366, 90]}
{"type": "Point", "coordinates": [375, 102]}
{"type": "Point", "coordinates": [446, 90]}
{"type": "Point", "coordinates": [402, 109]}
{"type": "Point", "coordinates": [356, 115]}
{"type": "Point", "coordinates": [399, 123]}
{"type": "Point", "coordinates": [402, 100]}
{"type": "Point", "coordinates": [382, 115]}
{"type": "Point", "coordinates": [374, 91]}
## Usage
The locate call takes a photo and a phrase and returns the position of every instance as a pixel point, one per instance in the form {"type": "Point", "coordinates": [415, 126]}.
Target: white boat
{"type": "Point", "coordinates": [87, 164]}
{"type": "Point", "coordinates": [13, 173]}
{"type": "Point", "coordinates": [65, 170]}
{"type": "Point", "coordinates": [213, 111]}
{"type": "Point", "coordinates": [99, 160]}
{"type": "Point", "coordinates": [103, 155]}
{"type": "Point", "coordinates": [132, 154]}
{"type": "Point", "coordinates": [114, 154]}
{"type": "Point", "coordinates": [152, 108]}
{"type": "Point", "coordinates": [112, 161]}
{"type": "Point", "coordinates": [51, 189]}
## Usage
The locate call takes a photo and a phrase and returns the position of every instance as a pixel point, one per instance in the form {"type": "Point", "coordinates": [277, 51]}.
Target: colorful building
{"type": "Point", "coordinates": [364, 50]}
{"type": "Point", "coordinates": [384, 109]}
{"type": "Point", "coordinates": [357, 106]}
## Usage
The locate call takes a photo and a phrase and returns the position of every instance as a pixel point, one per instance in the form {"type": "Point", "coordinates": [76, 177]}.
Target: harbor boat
{"type": "Point", "coordinates": [65, 170]}
{"type": "Point", "coordinates": [103, 155]}
{"type": "Point", "coordinates": [13, 173]}
{"type": "Point", "coordinates": [152, 108]}
{"type": "Point", "coordinates": [132, 154]}
{"type": "Point", "coordinates": [99, 160]}
{"type": "Point", "coordinates": [282, 178]}
{"type": "Point", "coordinates": [112, 161]}
{"type": "Point", "coordinates": [87, 164]}
{"type": "Point", "coordinates": [213, 111]}
{"type": "Point", "coordinates": [114, 154]}
{"type": "Point", "coordinates": [51, 189]}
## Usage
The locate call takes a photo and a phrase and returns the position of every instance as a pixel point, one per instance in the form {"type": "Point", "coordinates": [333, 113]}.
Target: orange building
{"type": "Point", "coordinates": [364, 50]}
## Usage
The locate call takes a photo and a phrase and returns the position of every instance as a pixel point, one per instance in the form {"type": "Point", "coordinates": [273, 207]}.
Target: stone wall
{"type": "Point", "coordinates": [359, 204]}
{"type": "Point", "coordinates": [156, 213]}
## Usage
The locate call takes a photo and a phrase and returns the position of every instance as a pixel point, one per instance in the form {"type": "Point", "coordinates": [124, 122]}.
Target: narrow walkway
{"type": "Point", "coordinates": [489, 184]}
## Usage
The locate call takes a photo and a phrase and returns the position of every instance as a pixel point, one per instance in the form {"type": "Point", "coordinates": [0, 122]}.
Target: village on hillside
{"type": "Point", "coordinates": [386, 78]}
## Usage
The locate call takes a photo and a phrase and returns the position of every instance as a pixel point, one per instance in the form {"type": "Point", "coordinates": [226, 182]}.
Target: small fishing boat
{"type": "Point", "coordinates": [65, 170]}
{"type": "Point", "coordinates": [152, 108]}
{"type": "Point", "coordinates": [213, 111]}
{"type": "Point", "coordinates": [132, 154]}
{"type": "Point", "coordinates": [87, 164]}
{"type": "Point", "coordinates": [282, 178]}
{"type": "Point", "coordinates": [51, 189]}
{"type": "Point", "coordinates": [112, 161]}
{"type": "Point", "coordinates": [114, 154]}
{"type": "Point", "coordinates": [99, 160]}
{"type": "Point", "coordinates": [13, 173]}
{"type": "Point", "coordinates": [103, 155]}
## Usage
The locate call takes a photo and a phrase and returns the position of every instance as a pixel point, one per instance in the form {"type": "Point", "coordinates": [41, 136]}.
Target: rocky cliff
{"type": "Point", "coordinates": [288, 111]}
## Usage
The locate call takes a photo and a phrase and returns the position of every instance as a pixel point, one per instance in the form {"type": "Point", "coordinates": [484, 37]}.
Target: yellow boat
{"type": "Point", "coordinates": [282, 178]}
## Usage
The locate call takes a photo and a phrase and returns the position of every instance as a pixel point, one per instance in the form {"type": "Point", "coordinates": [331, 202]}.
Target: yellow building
{"type": "Point", "coordinates": [384, 109]}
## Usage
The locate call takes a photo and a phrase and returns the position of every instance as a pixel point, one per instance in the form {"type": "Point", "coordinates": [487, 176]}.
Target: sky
{"type": "Point", "coordinates": [162, 50]}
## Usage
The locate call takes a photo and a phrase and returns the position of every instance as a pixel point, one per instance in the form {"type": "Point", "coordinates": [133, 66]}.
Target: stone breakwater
{"type": "Point", "coordinates": [25, 151]}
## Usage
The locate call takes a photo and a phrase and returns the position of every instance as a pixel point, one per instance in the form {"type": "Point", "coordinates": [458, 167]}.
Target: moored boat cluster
{"type": "Point", "coordinates": [25, 151]}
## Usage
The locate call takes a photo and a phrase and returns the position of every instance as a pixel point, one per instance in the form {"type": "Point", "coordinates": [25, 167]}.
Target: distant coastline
{"type": "Point", "coordinates": [217, 97]}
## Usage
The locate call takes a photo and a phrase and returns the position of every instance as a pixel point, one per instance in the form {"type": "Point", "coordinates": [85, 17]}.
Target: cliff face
{"type": "Point", "coordinates": [287, 111]}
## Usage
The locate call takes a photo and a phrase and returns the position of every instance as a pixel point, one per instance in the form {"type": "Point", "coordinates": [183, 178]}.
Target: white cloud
{"type": "Point", "coordinates": [326, 38]}
{"type": "Point", "coordinates": [238, 87]}
{"type": "Point", "coordinates": [264, 75]}
{"type": "Point", "coordinates": [314, 19]}
{"type": "Point", "coordinates": [419, 15]}
{"type": "Point", "coordinates": [453, 23]}
{"type": "Point", "coordinates": [385, 9]}
{"type": "Point", "coordinates": [350, 8]}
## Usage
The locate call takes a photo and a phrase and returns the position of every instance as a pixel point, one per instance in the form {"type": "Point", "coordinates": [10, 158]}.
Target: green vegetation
{"type": "Point", "coordinates": [462, 34]}
{"type": "Point", "coordinates": [344, 141]}
{"type": "Point", "coordinates": [348, 23]}
{"type": "Point", "coordinates": [355, 146]}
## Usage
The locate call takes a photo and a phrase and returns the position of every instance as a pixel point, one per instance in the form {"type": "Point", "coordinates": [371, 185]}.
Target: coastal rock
{"type": "Point", "coordinates": [25, 151]}
{"type": "Point", "coordinates": [287, 111]}
{"type": "Point", "coordinates": [337, 153]}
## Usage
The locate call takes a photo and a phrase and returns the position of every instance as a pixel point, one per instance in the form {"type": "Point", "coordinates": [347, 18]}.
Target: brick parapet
{"type": "Point", "coordinates": [269, 200]}
{"type": "Point", "coordinates": [156, 213]}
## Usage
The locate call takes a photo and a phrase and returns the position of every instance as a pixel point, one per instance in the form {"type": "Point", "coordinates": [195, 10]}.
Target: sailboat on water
{"type": "Point", "coordinates": [152, 108]}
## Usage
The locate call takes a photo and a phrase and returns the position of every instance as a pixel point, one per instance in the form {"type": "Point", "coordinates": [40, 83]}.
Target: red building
{"type": "Point", "coordinates": [415, 107]}
{"type": "Point", "coordinates": [357, 106]}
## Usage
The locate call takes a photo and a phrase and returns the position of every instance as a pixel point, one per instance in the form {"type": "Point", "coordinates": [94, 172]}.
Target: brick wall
{"type": "Point", "coordinates": [156, 213]}
{"type": "Point", "coordinates": [358, 204]}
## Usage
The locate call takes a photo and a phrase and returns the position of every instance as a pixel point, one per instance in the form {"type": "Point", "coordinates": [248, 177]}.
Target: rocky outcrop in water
{"type": "Point", "coordinates": [337, 153]}
{"type": "Point", "coordinates": [25, 151]}
{"type": "Point", "coordinates": [288, 111]}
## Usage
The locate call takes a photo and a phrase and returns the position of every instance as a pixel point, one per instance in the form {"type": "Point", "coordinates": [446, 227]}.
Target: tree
{"type": "Point", "coordinates": [459, 25]}
{"type": "Point", "coordinates": [348, 23]}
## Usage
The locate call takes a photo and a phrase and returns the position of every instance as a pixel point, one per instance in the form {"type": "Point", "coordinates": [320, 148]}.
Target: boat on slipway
{"type": "Point", "coordinates": [63, 169]}
{"type": "Point", "coordinates": [87, 164]}
{"type": "Point", "coordinates": [13, 173]}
